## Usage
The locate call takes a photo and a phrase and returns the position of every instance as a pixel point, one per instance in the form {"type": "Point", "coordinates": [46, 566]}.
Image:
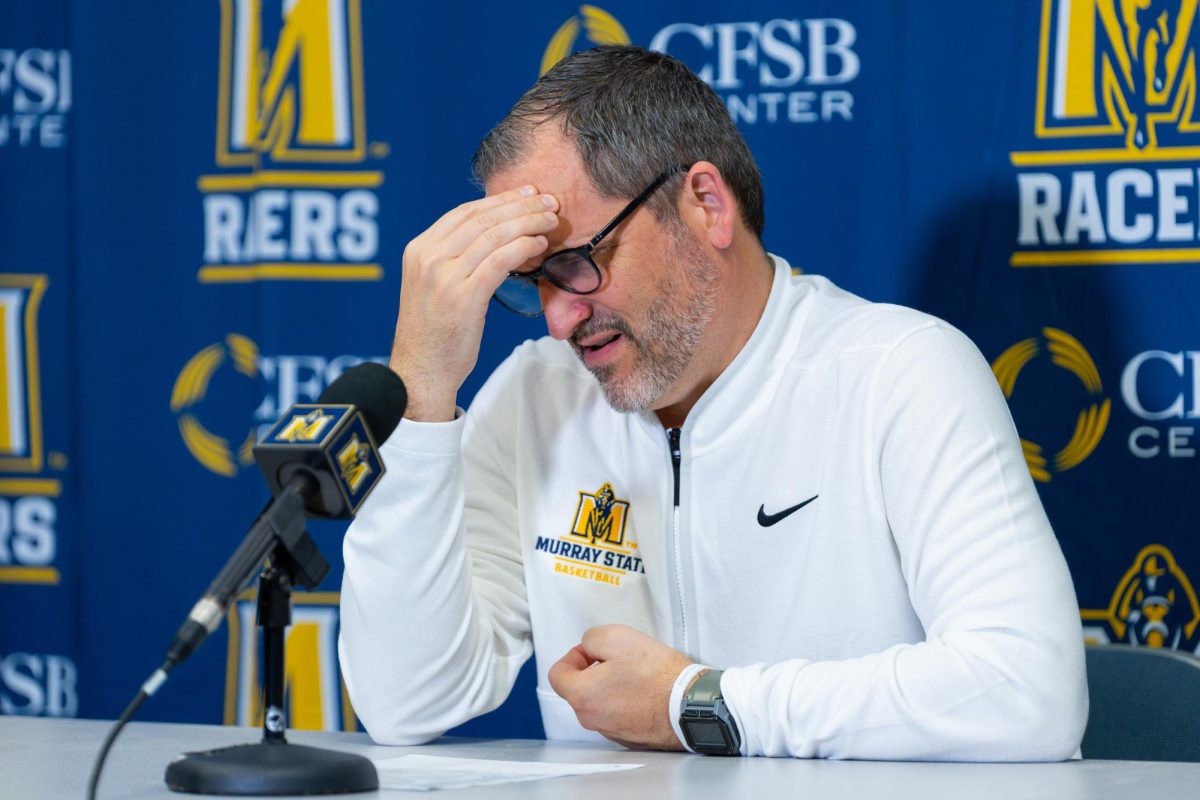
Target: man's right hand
{"type": "Point", "coordinates": [449, 273]}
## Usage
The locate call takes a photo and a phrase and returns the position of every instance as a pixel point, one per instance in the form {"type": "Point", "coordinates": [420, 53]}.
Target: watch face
{"type": "Point", "coordinates": [707, 735]}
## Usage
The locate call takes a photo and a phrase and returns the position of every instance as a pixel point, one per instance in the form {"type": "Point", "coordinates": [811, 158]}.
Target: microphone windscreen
{"type": "Point", "coordinates": [377, 393]}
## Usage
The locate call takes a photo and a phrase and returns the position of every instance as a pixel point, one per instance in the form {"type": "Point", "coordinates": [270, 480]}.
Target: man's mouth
{"type": "Point", "coordinates": [599, 349]}
{"type": "Point", "coordinates": [599, 342]}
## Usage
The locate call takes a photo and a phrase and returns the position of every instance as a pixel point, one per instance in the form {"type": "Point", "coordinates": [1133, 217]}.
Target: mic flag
{"type": "Point", "coordinates": [334, 441]}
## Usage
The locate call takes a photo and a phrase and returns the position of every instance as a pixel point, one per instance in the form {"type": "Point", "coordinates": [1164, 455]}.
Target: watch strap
{"type": "Point", "coordinates": [706, 690]}
{"type": "Point", "coordinates": [675, 704]}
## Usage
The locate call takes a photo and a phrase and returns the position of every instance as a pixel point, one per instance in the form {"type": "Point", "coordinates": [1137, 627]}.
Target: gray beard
{"type": "Point", "coordinates": [671, 331]}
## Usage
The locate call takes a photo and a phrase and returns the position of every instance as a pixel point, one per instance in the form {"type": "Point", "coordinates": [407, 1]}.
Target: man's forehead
{"type": "Point", "coordinates": [552, 166]}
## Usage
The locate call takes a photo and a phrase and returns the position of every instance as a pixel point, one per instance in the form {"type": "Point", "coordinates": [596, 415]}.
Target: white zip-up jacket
{"type": "Point", "coordinates": [918, 608]}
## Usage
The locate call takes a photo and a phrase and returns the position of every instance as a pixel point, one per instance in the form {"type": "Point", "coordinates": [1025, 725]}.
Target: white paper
{"type": "Point", "coordinates": [423, 773]}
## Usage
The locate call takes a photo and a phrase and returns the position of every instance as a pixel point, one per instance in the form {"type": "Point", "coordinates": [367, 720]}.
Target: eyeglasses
{"type": "Point", "coordinates": [571, 270]}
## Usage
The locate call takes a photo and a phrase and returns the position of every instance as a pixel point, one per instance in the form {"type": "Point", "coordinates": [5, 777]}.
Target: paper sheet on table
{"type": "Point", "coordinates": [423, 773]}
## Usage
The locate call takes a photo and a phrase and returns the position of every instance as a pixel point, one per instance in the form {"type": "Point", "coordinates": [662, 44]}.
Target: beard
{"type": "Point", "coordinates": [665, 339]}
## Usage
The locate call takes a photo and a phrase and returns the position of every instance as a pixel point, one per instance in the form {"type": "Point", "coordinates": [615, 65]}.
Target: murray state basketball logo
{"type": "Point", "coordinates": [1154, 605]}
{"type": "Point", "coordinates": [596, 547]}
{"type": "Point", "coordinates": [1116, 89]}
{"type": "Point", "coordinates": [600, 517]}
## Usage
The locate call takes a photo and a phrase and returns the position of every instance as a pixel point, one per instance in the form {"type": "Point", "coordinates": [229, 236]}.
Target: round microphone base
{"type": "Point", "coordinates": [271, 768]}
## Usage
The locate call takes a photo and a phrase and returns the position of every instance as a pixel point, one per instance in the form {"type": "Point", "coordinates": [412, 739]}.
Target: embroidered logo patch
{"type": "Point", "coordinates": [596, 547]}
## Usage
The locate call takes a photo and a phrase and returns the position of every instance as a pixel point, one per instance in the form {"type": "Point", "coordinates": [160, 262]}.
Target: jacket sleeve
{"type": "Point", "coordinates": [1000, 675]}
{"type": "Point", "coordinates": [434, 619]}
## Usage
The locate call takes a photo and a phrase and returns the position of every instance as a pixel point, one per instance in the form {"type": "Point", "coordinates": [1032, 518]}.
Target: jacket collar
{"type": "Point", "coordinates": [751, 378]}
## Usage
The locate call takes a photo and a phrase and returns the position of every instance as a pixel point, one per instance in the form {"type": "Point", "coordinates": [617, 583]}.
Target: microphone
{"type": "Point", "coordinates": [319, 459]}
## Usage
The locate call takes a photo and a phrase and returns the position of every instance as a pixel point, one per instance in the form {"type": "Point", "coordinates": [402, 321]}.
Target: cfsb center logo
{"type": "Point", "coordinates": [1067, 353]}
{"type": "Point", "coordinates": [296, 201]}
{"type": "Point", "coordinates": [778, 71]}
{"type": "Point", "coordinates": [218, 434]}
{"type": "Point", "coordinates": [1117, 89]}
{"type": "Point", "coordinates": [35, 96]}
{"type": "Point", "coordinates": [1159, 389]}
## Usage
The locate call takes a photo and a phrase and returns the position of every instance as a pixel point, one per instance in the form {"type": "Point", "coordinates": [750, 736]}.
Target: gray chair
{"type": "Point", "coordinates": [1145, 704]}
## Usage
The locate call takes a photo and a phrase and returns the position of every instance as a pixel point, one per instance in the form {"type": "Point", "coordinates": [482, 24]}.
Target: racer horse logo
{"type": "Point", "coordinates": [1117, 67]}
{"type": "Point", "coordinates": [1154, 605]}
{"type": "Point", "coordinates": [600, 517]}
{"type": "Point", "coordinates": [1154, 28]}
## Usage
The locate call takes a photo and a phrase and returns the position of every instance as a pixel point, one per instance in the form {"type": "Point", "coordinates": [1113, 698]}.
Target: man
{"type": "Point", "coordinates": [798, 522]}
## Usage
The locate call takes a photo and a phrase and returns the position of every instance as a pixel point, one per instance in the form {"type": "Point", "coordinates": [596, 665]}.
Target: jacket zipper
{"type": "Point", "coordinates": [676, 458]}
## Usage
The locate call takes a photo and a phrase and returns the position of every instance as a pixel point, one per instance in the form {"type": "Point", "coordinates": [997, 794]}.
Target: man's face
{"type": "Point", "coordinates": [638, 333]}
{"type": "Point", "coordinates": [638, 356]}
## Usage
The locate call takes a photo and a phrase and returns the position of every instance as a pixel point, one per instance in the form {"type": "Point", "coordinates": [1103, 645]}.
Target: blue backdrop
{"type": "Point", "coordinates": [203, 208]}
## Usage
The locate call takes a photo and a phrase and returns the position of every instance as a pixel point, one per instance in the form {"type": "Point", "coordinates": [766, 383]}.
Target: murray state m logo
{"type": "Point", "coordinates": [1118, 68]}
{"type": "Point", "coordinates": [303, 99]}
{"type": "Point", "coordinates": [1116, 105]}
{"type": "Point", "coordinates": [600, 517]}
{"type": "Point", "coordinates": [297, 203]}
{"type": "Point", "coordinates": [354, 462]}
{"type": "Point", "coordinates": [20, 393]}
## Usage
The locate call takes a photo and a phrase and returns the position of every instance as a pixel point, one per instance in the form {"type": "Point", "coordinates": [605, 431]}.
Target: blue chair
{"type": "Point", "coordinates": [1145, 704]}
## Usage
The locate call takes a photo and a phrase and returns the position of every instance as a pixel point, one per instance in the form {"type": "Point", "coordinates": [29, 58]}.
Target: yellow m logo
{"type": "Point", "coordinates": [352, 461]}
{"type": "Point", "coordinates": [1117, 68]}
{"type": "Point", "coordinates": [301, 101]}
{"type": "Point", "coordinates": [20, 392]}
{"type": "Point", "coordinates": [315, 697]}
{"type": "Point", "coordinates": [308, 427]}
{"type": "Point", "coordinates": [600, 517]}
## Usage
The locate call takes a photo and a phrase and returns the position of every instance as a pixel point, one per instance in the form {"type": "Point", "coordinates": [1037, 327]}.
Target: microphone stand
{"type": "Point", "coordinates": [274, 766]}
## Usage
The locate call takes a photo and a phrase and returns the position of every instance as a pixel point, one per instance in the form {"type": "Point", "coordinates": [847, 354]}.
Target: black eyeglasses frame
{"type": "Point", "coordinates": [585, 250]}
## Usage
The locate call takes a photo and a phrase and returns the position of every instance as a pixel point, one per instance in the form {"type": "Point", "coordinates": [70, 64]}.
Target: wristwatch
{"type": "Point", "coordinates": [706, 722]}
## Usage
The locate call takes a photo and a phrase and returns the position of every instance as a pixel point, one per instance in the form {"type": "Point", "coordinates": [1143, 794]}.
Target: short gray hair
{"type": "Point", "coordinates": [632, 114]}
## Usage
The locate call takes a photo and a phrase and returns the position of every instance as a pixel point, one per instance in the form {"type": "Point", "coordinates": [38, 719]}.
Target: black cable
{"type": "Point", "coordinates": [148, 688]}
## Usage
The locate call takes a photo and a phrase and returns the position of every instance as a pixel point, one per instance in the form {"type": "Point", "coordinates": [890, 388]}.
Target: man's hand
{"type": "Point", "coordinates": [450, 273]}
{"type": "Point", "coordinates": [619, 682]}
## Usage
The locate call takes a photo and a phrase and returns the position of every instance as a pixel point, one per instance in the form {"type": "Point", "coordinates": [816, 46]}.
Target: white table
{"type": "Point", "coordinates": [47, 758]}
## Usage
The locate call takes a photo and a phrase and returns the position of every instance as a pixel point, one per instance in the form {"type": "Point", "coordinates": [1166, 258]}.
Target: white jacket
{"type": "Point", "coordinates": [918, 608]}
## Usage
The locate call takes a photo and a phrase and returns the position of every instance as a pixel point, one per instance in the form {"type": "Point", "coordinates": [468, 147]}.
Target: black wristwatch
{"type": "Point", "coordinates": [707, 724]}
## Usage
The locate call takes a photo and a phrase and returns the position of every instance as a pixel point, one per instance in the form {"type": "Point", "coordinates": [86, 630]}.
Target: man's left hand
{"type": "Point", "coordinates": [619, 682]}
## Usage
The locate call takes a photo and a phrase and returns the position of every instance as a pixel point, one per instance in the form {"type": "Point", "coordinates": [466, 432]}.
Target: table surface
{"type": "Point", "coordinates": [52, 758]}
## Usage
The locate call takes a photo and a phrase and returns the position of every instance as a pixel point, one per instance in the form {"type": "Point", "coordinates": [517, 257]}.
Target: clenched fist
{"type": "Point", "coordinates": [619, 682]}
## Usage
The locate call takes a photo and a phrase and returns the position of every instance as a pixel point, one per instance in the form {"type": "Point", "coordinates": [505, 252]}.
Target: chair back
{"type": "Point", "coordinates": [1144, 704]}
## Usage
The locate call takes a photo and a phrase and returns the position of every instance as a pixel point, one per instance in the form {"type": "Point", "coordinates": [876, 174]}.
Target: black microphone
{"type": "Point", "coordinates": [319, 459]}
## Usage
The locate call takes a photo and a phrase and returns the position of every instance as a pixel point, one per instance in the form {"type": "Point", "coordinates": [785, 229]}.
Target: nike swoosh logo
{"type": "Point", "coordinates": [767, 520]}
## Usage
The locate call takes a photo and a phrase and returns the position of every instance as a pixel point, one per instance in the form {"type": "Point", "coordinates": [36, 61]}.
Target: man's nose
{"type": "Point", "coordinates": [564, 311]}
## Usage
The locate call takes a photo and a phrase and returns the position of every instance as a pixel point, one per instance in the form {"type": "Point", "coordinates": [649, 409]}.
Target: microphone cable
{"type": "Point", "coordinates": [148, 688]}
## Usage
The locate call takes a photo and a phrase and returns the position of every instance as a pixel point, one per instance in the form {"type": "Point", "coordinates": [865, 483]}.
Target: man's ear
{"type": "Point", "coordinates": [707, 204]}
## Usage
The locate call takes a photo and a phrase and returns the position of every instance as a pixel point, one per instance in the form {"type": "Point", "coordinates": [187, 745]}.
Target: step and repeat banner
{"type": "Point", "coordinates": [204, 204]}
